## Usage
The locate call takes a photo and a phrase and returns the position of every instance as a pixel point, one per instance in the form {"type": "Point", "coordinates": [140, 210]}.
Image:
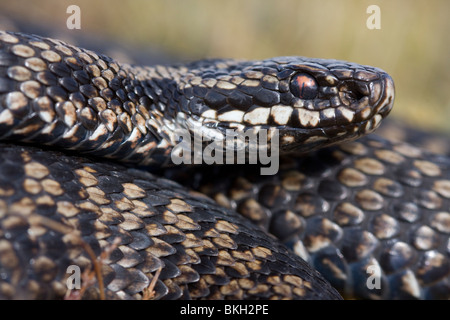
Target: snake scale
{"type": "Point", "coordinates": [79, 132]}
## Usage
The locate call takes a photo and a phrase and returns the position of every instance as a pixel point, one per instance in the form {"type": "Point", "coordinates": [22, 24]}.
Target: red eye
{"type": "Point", "coordinates": [304, 86]}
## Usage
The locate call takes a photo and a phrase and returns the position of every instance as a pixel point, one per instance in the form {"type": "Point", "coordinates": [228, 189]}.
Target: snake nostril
{"type": "Point", "coordinates": [351, 92]}
{"type": "Point", "coordinates": [359, 95]}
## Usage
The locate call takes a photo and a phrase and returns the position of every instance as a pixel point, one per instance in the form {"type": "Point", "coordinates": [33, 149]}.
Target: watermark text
{"type": "Point", "coordinates": [233, 148]}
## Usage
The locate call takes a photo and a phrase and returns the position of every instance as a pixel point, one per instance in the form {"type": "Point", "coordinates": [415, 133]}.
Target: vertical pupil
{"type": "Point", "coordinates": [304, 86]}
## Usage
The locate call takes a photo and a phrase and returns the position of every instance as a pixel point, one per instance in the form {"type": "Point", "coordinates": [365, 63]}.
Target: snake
{"type": "Point", "coordinates": [87, 184]}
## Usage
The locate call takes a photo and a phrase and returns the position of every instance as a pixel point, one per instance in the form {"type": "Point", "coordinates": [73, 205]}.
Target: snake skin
{"type": "Point", "coordinates": [433, 141]}
{"type": "Point", "coordinates": [56, 209]}
{"type": "Point", "coordinates": [204, 251]}
{"type": "Point", "coordinates": [344, 209]}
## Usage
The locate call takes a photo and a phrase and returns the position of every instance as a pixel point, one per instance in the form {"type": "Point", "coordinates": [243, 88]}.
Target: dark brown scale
{"type": "Point", "coordinates": [425, 238]}
{"type": "Point", "coordinates": [284, 89]}
{"type": "Point", "coordinates": [100, 83]}
{"type": "Point", "coordinates": [320, 233]}
{"type": "Point", "coordinates": [107, 94]}
{"type": "Point", "coordinates": [441, 222]}
{"type": "Point", "coordinates": [120, 93]}
{"type": "Point", "coordinates": [358, 244]}
{"type": "Point", "coordinates": [331, 264]}
{"type": "Point", "coordinates": [139, 91]}
{"type": "Point", "coordinates": [240, 100]}
{"type": "Point", "coordinates": [32, 89]}
{"type": "Point", "coordinates": [426, 140]}
{"type": "Point", "coordinates": [78, 99]}
{"type": "Point", "coordinates": [369, 199]}
{"type": "Point", "coordinates": [249, 90]}
{"type": "Point", "coordinates": [432, 267]}
{"type": "Point", "coordinates": [88, 118]}
{"type": "Point", "coordinates": [60, 69]}
{"type": "Point", "coordinates": [398, 256]}
{"type": "Point", "coordinates": [388, 187]}
{"type": "Point", "coordinates": [215, 99]}
{"type": "Point", "coordinates": [15, 102]}
{"type": "Point", "coordinates": [348, 214]}
{"type": "Point", "coordinates": [97, 104]}
{"type": "Point", "coordinates": [57, 93]}
{"type": "Point", "coordinates": [273, 196]}
{"type": "Point", "coordinates": [132, 97]}
{"type": "Point", "coordinates": [200, 92]}
{"type": "Point", "coordinates": [47, 78]}
{"type": "Point", "coordinates": [129, 107]}
{"type": "Point", "coordinates": [69, 84]}
{"type": "Point", "coordinates": [19, 73]}
{"type": "Point", "coordinates": [6, 85]}
{"type": "Point", "coordinates": [88, 91]}
{"type": "Point", "coordinates": [384, 226]}
{"type": "Point", "coordinates": [7, 59]}
{"type": "Point", "coordinates": [254, 211]}
{"type": "Point", "coordinates": [429, 199]}
{"type": "Point", "coordinates": [308, 204]}
{"type": "Point", "coordinates": [270, 85]}
{"type": "Point", "coordinates": [410, 177]}
{"type": "Point", "coordinates": [92, 70]}
{"type": "Point", "coordinates": [332, 190]}
{"type": "Point", "coordinates": [267, 98]}
{"type": "Point", "coordinates": [285, 224]}
{"type": "Point", "coordinates": [58, 170]}
{"type": "Point", "coordinates": [352, 178]}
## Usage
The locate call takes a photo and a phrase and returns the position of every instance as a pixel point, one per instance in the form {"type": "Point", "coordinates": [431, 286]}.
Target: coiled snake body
{"type": "Point", "coordinates": [369, 205]}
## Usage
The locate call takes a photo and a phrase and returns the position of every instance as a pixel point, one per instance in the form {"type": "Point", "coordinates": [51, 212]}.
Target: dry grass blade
{"type": "Point", "coordinates": [149, 292]}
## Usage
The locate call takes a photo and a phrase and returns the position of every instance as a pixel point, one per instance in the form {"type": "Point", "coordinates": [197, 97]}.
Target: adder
{"type": "Point", "coordinates": [80, 133]}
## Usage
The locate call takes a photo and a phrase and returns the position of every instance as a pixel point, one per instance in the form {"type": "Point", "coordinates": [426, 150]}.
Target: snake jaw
{"type": "Point", "coordinates": [386, 101]}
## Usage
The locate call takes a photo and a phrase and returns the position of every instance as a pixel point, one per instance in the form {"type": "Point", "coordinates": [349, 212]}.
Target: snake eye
{"type": "Point", "coordinates": [304, 86]}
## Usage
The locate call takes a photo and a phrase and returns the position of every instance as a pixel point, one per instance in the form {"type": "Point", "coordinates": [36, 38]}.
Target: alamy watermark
{"type": "Point", "coordinates": [73, 282]}
{"type": "Point", "coordinates": [234, 147]}
{"type": "Point", "coordinates": [374, 19]}
{"type": "Point", "coordinates": [74, 20]}
{"type": "Point", "coordinates": [374, 279]}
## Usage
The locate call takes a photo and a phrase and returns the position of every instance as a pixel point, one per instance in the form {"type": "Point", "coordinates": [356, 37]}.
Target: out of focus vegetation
{"type": "Point", "coordinates": [413, 44]}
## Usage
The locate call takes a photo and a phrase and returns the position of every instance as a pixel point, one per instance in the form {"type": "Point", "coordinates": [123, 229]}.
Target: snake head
{"type": "Point", "coordinates": [311, 102]}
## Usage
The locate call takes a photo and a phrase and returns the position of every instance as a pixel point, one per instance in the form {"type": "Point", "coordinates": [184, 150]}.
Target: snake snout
{"type": "Point", "coordinates": [366, 99]}
{"type": "Point", "coordinates": [386, 101]}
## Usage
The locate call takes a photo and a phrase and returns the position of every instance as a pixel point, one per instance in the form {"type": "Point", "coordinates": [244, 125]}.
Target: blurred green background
{"type": "Point", "coordinates": [413, 44]}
